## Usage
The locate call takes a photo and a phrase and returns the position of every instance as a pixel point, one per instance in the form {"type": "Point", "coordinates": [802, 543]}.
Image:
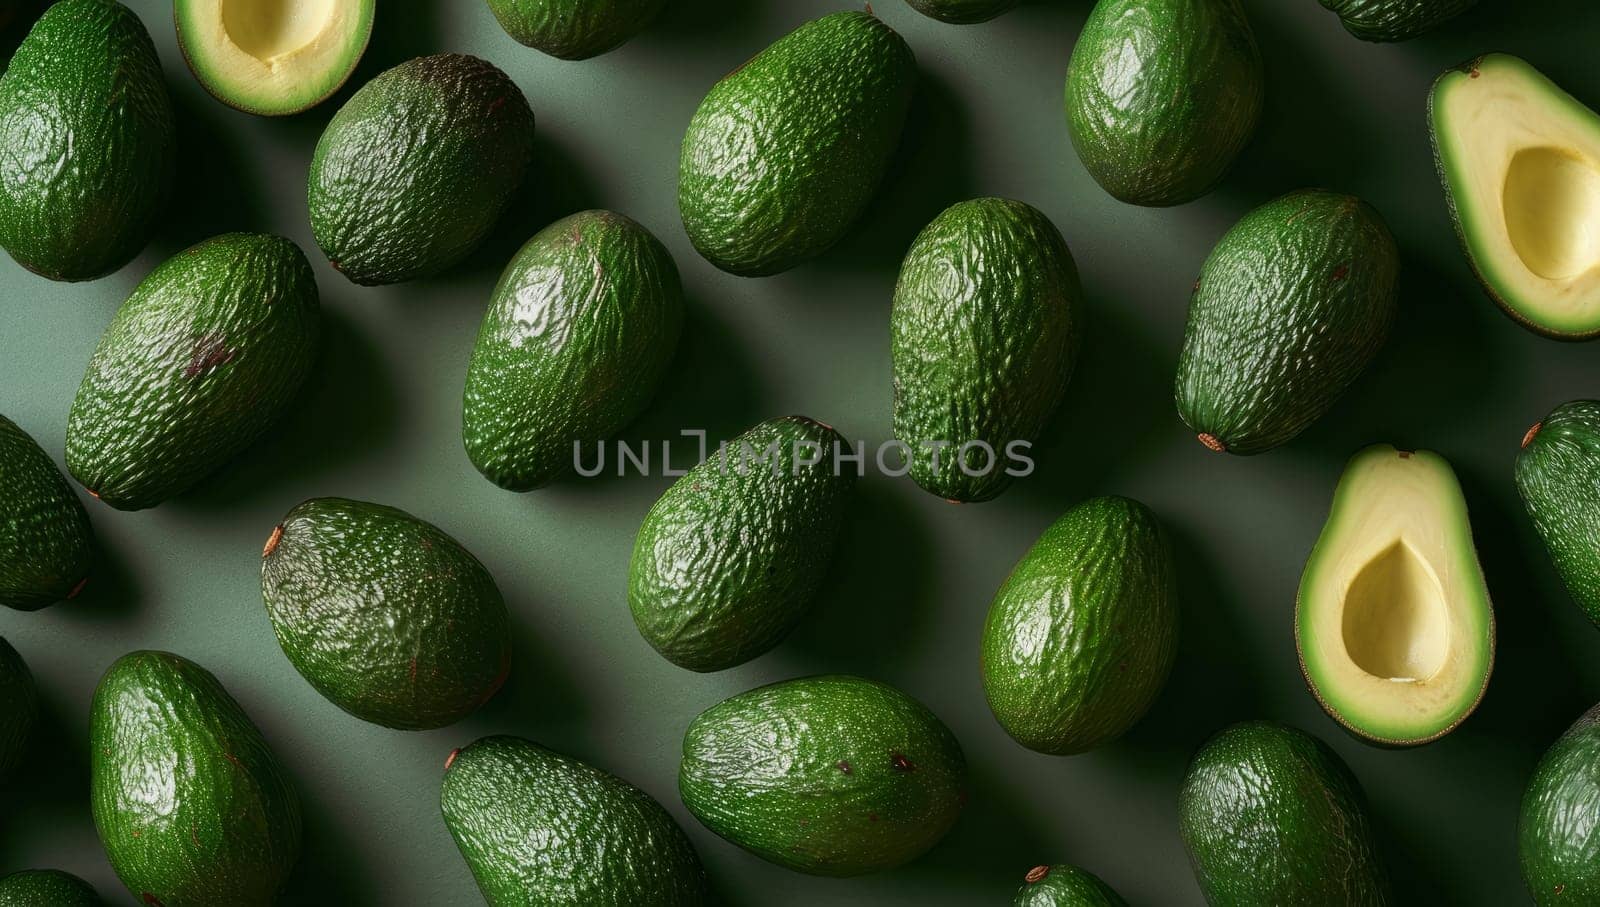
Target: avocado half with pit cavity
{"type": "Point", "coordinates": [273, 57]}
{"type": "Point", "coordinates": [1520, 162]}
{"type": "Point", "coordinates": [1393, 624]}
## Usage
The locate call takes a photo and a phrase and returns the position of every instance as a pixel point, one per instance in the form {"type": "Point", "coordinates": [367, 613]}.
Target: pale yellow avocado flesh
{"type": "Point", "coordinates": [273, 56]}
{"type": "Point", "coordinates": [1393, 622]}
{"type": "Point", "coordinates": [1520, 160]}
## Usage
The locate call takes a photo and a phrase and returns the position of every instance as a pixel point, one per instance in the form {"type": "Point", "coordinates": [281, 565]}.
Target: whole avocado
{"type": "Point", "coordinates": [386, 615]}
{"type": "Point", "coordinates": [1558, 834]}
{"type": "Point", "coordinates": [785, 152]}
{"type": "Point", "coordinates": [1558, 476]}
{"type": "Point", "coordinates": [830, 775]}
{"type": "Point", "coordinates": [1162, 95]}
{"type": "Point", "coordinates": [1080, 639]}
{"type": "Point", "coordinates": [1395, 20]}
{"type": "Point", "coordinates": [1290, 307]}
{"type": "Point", "coordinates": [191, 804]}
{"type": "Point", "coordinates": [580, 332]}
{"type": "Point", "coordinates": [414, 170]}
{"type": "Point", "coordinates": [538, 828]}
{"type": "Point", "coordinates": [1065, 886]}
{"type": "Point", "coordinates": [87, 142]}
{"type": "Point", "coordinates": [574, 29]}
{"type": "Point", "coordinates": [19, 707]}
{"type": "Point", "coordinates": [46, 546]}
{"type": "Point", "coordinates": [732, 556]}
{"type": "Point", "coordinates": [962, 12]}
{"type": "Point", "coordinates": [1271, 816]}
{"type": "Point", "coordinates": [46, 888]}
{"type": "Point", "coordinates": [206, 355]}
{"type": "Point", "coordinates": [984, 335]}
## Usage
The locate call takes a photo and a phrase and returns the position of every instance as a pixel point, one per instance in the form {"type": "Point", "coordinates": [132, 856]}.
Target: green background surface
{"type": "Point", "coordinates": [382, 422]}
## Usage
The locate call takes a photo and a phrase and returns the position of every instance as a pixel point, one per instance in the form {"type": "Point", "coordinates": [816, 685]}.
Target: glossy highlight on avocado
{"type": "Point", "coordinates": [1558, 832]}
{"type": "Point", "coordinates": [1396, 20]}
{"type": "Point", "coordinates": [273, 57]}
{"type": "Point", "coordinates": [1558, 477]}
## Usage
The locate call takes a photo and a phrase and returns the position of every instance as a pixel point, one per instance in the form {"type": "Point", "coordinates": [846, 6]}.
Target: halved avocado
{"type": "Point", "coordinates": [273, 57]}
{"type": "Point", "coordinates": [1393, 623]}
{"type": "Point", "coordinates": [1520, 162]}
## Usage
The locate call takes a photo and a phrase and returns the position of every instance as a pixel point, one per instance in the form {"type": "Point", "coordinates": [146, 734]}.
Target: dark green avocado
{"type": "Point", "coordinates": [1558, 835]}
{"type": "Point", "coordinates": [539, 828]}
{"type": "Point", "coordinates": [832, 775]}
{"type": "Point", "coordinates": [386, 615]}
{"type": "Point", "coordinates": [785, 152]}
{"type": "Point", "coordinates": [962, 12]}
{"type": "Point", "coordinates": [1558, 474]}
{"type": "Point", "coordinates": [205, 356]}
{"type": "Point", "coordinates": [19, 707]}
{"type": "Point", "coordinates": [1272, 817]}
{"type": "Point", "coordinates": [192, 806]}
{"type": "Point", "coordinates": [46, 546]}
{"type": "Point", "coordinates": [88, 141]}
{"type": "Point", "coordinates": [581, 329]}
{"type": "Point", "coordinates": [1081, 638]}
{"type": "Point", "coordinates": [1065, 886]}
{"type": "Point", "coordinates": [984, 337]}
{"type": "Point", "coordinates": [733, 555]}
{"type": "Point", "coordinates": [1290, 307]}
{"type": "Point", "coordinates": [413, 171]}
{"type": "Point", "coordinates": [46, 888]}
{"type": "Point", "coordinates": [1395, 20]}
{"type": "Point", "coordinates": [1162, 95]}
{"type": "Point", "coordinates": [574, 29]}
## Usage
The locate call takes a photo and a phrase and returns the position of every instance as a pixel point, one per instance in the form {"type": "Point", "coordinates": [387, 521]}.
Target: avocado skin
{"type": "Point", "coordinates": [1065, 886]}
{"type": "Point", "coordinates": [87, 142]}
{"type": "Point", "coordinates": [1291, 306]}
{"type": "Point", "coordinates": [1081, 638]}
{"type": "Point", "coordinates": [539, 828]}
{"type": "Point", "coordinates": [384, 614]}
{"type": "Point", "coordinates": [963, 12]}
{"type": "Point", "coordinates": [830, 775]}
{"type": "Point", "coordinates": [574, 29]}
{"type": "Point", "coordinates": [785, 152]}
{"type": "Point", "coordinates": [46, 888]}
{"type": "Point", "coordinates": [202, 359]}
{"type": "Point", "coordinates": [192, 806]}
{"type": "Point", "coordinates": [1558, 475]}
{"type": "Point", "coordinates": [1271, 816]}
{"type": "Point", "coordinates": [1558, 834]}
{"type": "Point", "coordinates": [1395, 20]}
{"type": "Point", "coordinates": [984, 335]}
{"type": "Point", "coordinates": [19, 707]}
{"type": "Point", "coordinates": [46, 545]}
{"type": "Point", "coordinates": [575, 343]}
{"type": "Point", "coordinates": [414, 170]}
{"type": "Point", "coordinates": [1162, 95]}
{"type": "Point", "coordinates": [732, 555]}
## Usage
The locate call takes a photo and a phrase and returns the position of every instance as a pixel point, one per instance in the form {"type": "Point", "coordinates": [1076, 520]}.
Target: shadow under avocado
{"type": "Point", "coordinates": [216, 186]}
{"type": "Point", "coordinates": [49, 788]}
{"type": "Point", "coordinates": [539, 700]}
{"type": "Point", "coordinates": [687, 24]}
{"type": "Point", "coordinates": [112, 592]}
{"type": "Point", "coordinates": [327, 872]}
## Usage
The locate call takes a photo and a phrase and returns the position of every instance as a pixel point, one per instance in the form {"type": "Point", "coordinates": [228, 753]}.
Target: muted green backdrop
{"type": "Point", "coordinates": [907, 602]}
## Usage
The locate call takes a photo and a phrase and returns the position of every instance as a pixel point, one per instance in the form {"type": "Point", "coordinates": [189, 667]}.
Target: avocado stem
{"type": "Point", "coordinates": [1211, 442]}
{"type": "Point", "coordinates": [1036, 874]}
{"type": "Point", "coordinates": [272, 541]}
{"type": "Point", "coordinates": [1531, 434]}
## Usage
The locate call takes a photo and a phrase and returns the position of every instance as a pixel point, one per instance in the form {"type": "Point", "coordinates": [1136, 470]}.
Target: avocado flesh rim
{"type": "Point", "coordinates": [1521, 162]}
{"type": "Point", "coordinates": [1393, 623]}
{"type": "Point", "coordinates": [273, 56]}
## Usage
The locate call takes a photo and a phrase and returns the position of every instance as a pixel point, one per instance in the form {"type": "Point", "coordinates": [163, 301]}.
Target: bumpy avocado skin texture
{"type": "Point", "coordinates": [785, 152]}
{"type": "Point", "coordinates": [205, 356]}
{"type": "Point", "coordinates": [192, 806]}
{"type": "Point", "coordinates": [830, 775]}
{"type": "Point", "coordinates": [1395, 20]}
{"type": "Point", "coordinates": [1290, 307]}
{"type": "Point", "coordinates": [19, 706]}
{"type": "Point", "coordinates": [1558, 834]}
{"type": "Point", "coordinates": [539, 828]}
{"type": "Point", "coordinates": [1558, 474]}
{"type": "Point", "coordinates": [386, 615]}
{"type": "Point", "coordinates": [984, 335]}
{"type": "Point", "coordinates": [46, 888]}
{"type": "Point", "coordinates": [413, 172]}
{"type": "Point", "coordinates": [1065, 886]}
{"type": "Point", "coordinates": [46, 546]}
{"type": "Point", "coordinates": [574, 29]}
{"type": "Point", "coordinates": [733, 555]}
{"type": "Point", "coordinates": [1271, 816]}
{"type": "Point", "coordinates": [1162, 95]}
{"type": "Point", "coordinates": [963, 12]}
{"type": "Point", "coordinates": [87, 142]}
{"type": "Point", "coordinates": [1082, 636]}
{"type": "Point", "coordinates": [580, 332]}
